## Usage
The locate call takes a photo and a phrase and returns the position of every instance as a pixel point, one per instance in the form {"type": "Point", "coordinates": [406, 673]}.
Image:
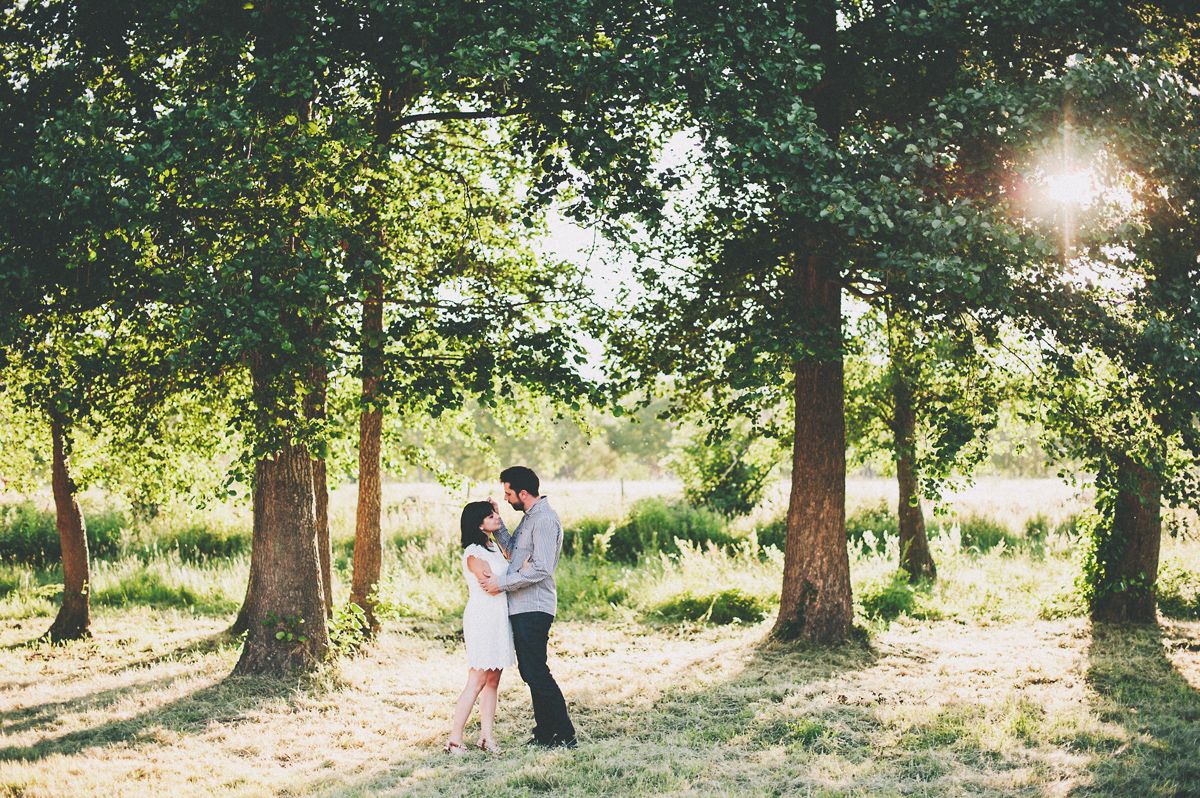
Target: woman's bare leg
{"type": "Point", "coordinates": [487, 704]}
{"type": "Point", "coordinates": [466, 700]}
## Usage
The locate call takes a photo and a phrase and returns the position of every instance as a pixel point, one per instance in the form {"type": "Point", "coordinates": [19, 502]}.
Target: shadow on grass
{"type": "Point", "coordinates": [854, 720]}
{"type": "Point", "coordinates": [198, 647]}
{"type": "Point", "coordinates": [234, 698]}
{"type": "Point", "coordinates": [1142, 694]}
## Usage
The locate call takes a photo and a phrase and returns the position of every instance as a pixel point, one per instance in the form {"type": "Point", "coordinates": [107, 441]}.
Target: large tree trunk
{"type": "Point", "coordinates": [815, 601]}
{"type": "Point", "coordinates": [285, 602]}
{"type": "Point", "coordinates": [915, 557]}
{"type": "Point", "coordinates": [1127, 592]}
{"type": "Point", "coordinates": [368, 549]}
{"type": "Point", "coordinates": [74, 617]}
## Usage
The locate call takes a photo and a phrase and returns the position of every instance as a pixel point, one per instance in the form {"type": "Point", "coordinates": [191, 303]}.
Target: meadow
{"type": "Point", "coordinates": [988, 682]}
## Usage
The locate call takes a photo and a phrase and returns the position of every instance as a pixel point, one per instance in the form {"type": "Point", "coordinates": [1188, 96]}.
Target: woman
{"type": "Point", "coordinates": [485, 627]}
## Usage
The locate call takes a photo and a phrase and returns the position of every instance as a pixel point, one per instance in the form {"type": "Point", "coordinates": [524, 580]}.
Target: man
{"type": "Point", "coordinates": [532, 599]}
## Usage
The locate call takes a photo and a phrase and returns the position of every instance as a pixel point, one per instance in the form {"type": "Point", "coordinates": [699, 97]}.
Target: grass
{"type": "Point", "coordinates": [975, 686]}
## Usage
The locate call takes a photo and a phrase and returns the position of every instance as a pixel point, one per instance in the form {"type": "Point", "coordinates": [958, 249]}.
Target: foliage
{"type": "Point", "coordinates": [1178, 590]}
{"type": "Point", "coordinates": [894, 595]}
{"type": "Point", "coordinates": [869, 527]}
{"type": "Point", "coordinates": [720, 608]}
{"type": "Point", "coordinates": [29, 534]}
{"type": "Point", "coordinates": [725, 474]}
{"type": "Point", "coordinates": [655, 526]}
{"type": "Point", "coordinates": [347, 629]}
{"type": "Point", "coordinates": [941, 375]}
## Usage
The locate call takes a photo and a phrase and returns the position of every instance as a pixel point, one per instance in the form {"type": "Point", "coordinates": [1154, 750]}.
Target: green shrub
{"type": "Point", "coordinates": [721, 608]}
{"type": "Point", "coordinates": [983, 533]}
{"type": "Point", "coordinates": [867, 529]}
{"type": "Point", "coordinates": [148, 588]}
{"type": "Point", "coordinates": [772, 533]}
{"type": "Point", "coordinates": [888, 598]}
{"type": "Point", "coordinates": [10, 579]}
{"type": "Point", "coordinates": [1037, 528]}
{"type": "Point", "coordinates": [198, 541]}
{"type": "Point", "coordinates": [581, 536]}
{"type": "Point", "coordinates": [29, 534]}
{"type": "Point", "coordinates": [1068, 527]}
{"type": "Point", "coordinates": [879, 520]}
{"type": "Point", "coordinates": [653, 525]}
{"type": "Point", "coordinates": [726, 476]}
{"type": "Point", "coordinates": [589, 589]}
{"type": "Point", "coordinates": [1178, 591]}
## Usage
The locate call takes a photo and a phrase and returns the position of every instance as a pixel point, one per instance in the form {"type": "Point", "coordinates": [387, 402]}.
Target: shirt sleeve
{"type": "Point", "coordinates": [504, 539]}
{"type": "Point", "coordinates": [543, 553]}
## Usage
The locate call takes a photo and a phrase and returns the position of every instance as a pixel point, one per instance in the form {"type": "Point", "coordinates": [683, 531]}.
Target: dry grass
{"type": "Point", "coordinates": [988, 701]}
{"type": "Point", "coordinates": [937, 708]}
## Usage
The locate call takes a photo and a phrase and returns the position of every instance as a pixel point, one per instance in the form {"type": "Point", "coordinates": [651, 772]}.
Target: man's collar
{"type": "Point", "coordinates": [536, 504]}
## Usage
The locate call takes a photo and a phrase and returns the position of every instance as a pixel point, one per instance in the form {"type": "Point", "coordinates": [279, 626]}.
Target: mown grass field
{"type": "Point", "coordinates": [986, 683]}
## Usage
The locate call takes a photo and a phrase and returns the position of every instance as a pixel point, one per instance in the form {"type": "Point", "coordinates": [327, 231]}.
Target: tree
{"type": "Point", "coordinates": [278, 119]}
{"type": "Point", "coordinates": [1118, 334]}
{"type": "Point", "coordinates": [81, 346]}
{"type": "Point", "coordinates": [844, 136]}
{"type": "Point", "coordinates": [927, 401]}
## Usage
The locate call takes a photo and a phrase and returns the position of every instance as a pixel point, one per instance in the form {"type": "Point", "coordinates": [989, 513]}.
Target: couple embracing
{"type": "Point", "coordinates": [511, 605]}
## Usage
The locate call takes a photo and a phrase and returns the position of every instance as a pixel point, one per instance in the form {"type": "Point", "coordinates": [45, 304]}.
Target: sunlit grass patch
{"type": "Point", "coordinates": [210, 586]}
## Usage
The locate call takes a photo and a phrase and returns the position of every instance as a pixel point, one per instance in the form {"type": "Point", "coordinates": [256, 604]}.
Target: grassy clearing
{"type": "Point", "coordinates": [984, 683]}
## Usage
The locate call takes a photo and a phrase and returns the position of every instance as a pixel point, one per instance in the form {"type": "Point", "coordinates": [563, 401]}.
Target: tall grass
{"type": "Point", "coordinates": [669, 560]}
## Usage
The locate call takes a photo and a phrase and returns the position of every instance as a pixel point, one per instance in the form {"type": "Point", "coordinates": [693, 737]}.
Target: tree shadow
{"type": "Point", "coordinates": [793, 720]}
{"type": "Point", "coordinates": [232, 699]}
{"type": "Point", "coordinates": [198, 647]}
{"type": "Point", "coordinates": [1151, 707]}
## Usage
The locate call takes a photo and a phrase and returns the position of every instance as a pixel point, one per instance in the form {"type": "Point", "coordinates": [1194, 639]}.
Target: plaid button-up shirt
{"type": "Point", "coordinates": [537, 538]}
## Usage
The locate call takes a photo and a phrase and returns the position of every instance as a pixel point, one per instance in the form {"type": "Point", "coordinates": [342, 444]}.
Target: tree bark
{"type": "Point", "coordinates": [815, 600]}
{"type": "Point", "coordinates": [1127, 591]}
{"type": "Point", "coordinates": [915, 557]}
{"type": "Point", "coordinates": [324, 547]}
{"type": "Point", "coordinates": [368, 549]}
{"type": "Point", "coordinates": [242, 622]}
{"type": "Point", "coordinates": [315, 409]}
{"type": "Point", "coordinates": [73, 621]}
{"type": "Point", "coordinates": [285, 587]}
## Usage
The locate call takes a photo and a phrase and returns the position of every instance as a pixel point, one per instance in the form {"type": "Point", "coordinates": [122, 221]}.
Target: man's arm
{"type": "Point", "coordinates": [543, 536]}
{"type": "Point", "coordinates": [502, 536]}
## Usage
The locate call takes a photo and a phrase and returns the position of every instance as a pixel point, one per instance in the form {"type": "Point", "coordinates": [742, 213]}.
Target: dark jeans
{"type": "Point", "coordinates": [531, 632]}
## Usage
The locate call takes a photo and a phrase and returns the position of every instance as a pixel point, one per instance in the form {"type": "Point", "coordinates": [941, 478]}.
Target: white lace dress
{"type": "Point", "coordinates": [485, 620]}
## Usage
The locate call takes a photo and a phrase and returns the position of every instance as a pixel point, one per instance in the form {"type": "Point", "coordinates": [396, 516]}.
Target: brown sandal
{"type": "Point", "coordinates": [488, 746]}
{"type": "Point", "coordinates": [457, 749]}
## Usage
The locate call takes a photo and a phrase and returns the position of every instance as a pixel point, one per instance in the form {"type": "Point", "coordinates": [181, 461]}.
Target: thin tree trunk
{"type": "Point", "coordinates": [315, 409]}
{"type": "Point", "coordinates": [915, 557]}
{"type": "Point", "coordinates": [324, 547]}
{"type": "Point", "coordinates": [815, 600]}
{"type": "Point", "coordinates": [368, 549]}
{"type": "Point", "coordinates": [1127, 593]}
{"type": "Point", "coordinates": [73, 621]}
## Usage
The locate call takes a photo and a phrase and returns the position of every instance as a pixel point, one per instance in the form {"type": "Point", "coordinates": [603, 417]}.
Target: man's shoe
{"type": "Point", "coordinates": [572, 744]}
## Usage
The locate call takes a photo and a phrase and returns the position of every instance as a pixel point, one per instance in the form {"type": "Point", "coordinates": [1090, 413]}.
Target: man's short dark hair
{"type": "Point", "coordinates": [520, 478]}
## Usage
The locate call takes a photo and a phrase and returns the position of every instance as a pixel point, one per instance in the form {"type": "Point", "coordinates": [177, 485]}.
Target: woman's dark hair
{"type": "Point", "coordinates": [472, 517]}
{"type": "Point", "coordinates": [520, 478]}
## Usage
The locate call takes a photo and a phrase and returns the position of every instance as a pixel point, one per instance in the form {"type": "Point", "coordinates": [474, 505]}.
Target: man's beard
{"type": "Point", "coordinates": [518, 505]}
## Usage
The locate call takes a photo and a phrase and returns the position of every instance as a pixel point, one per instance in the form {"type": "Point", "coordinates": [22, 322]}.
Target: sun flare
{"type": "Point", "coordinates": [1077, 187]}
